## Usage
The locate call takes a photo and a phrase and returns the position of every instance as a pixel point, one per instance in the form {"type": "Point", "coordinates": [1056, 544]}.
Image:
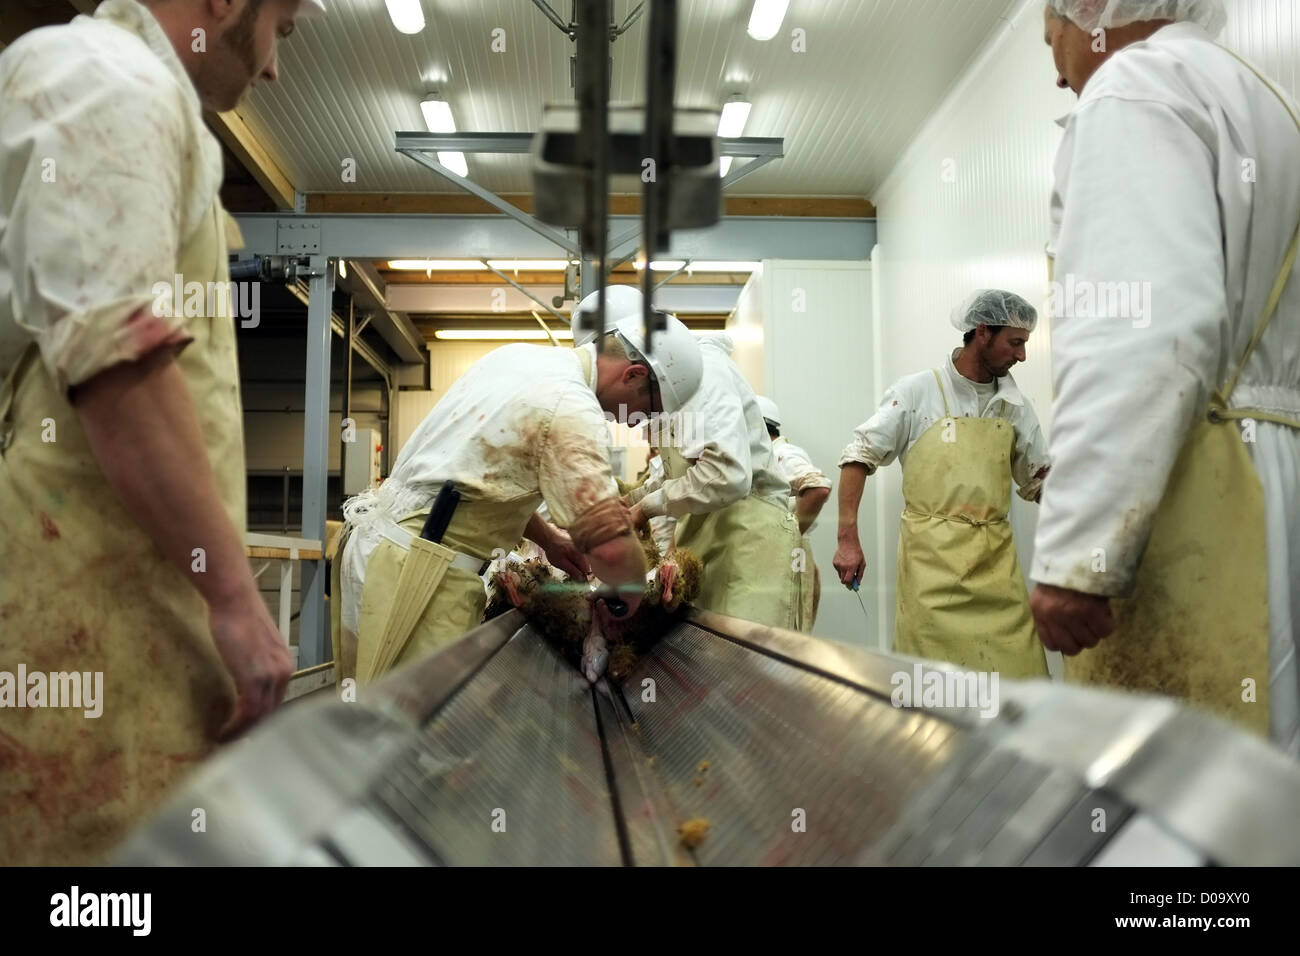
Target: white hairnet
{"type": "Point", "coordinates": [994, 307]}
{"type": "Point", "coordinates": [1107, 14]}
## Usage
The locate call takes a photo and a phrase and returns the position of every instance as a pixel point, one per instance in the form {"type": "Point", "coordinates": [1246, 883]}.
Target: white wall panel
{"type": "Point", "coordinates": [803, 337]}
{"type": "Point", "coordinates": [745, 326]}
{"type": "Point", "coordinates": [447, 362]}
{"type": "Point", "coordinates": [1267, 32]}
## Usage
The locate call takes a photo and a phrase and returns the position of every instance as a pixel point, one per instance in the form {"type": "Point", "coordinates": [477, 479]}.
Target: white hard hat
{"type": "Point", "coordinates": [771, 414]}
{"type": "Point", "coordinates": [675, 361]}
{"type": "Point", "coordinates": [311, 8]}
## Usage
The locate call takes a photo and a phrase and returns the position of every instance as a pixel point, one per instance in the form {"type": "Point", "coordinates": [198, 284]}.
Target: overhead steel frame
{"type": "Point", "coordinates": [486, 236]}
{"type": "Point", "coordinates": [424, 147]}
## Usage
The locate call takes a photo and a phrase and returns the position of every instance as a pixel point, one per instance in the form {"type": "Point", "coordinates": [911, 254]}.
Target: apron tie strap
{"type": "Point", "coordinates": [962, 519]}
{"type": "Point", "coordinates": [942, 394]}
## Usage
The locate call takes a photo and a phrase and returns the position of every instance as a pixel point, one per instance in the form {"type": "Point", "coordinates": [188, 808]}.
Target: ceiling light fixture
{"type": "Point", "coordinates": [731, 124]}
{"type": "Point", "coordinates": [708, 266]}
{"type": "Point", "coordinates": [765, 20]}
{"type": "Point", "coordinates": [406, 15]}
{"type": "Point", "coordinates": [437, 265]}
{"type": "Point", "coordinates": [437, 116]}
{"type": "Point", "coordinates": [662, 265]}
{"type": "Point", "coordinates": [474, 265]}
{"type": "Point", "coordinates": [499, 335]}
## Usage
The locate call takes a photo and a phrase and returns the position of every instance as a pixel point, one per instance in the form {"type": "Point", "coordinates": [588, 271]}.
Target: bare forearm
{"type": "Point", "coordinates": [809, 505]}
{"type": "Point", "coordinates": [144, 433]}
{"type": "Point", "coordinates": [853, 479]}
{"type": "Point", "coordinates": [538, 530]}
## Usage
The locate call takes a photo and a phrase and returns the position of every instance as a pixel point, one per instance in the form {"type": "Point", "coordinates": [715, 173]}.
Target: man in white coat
{"type": "Point", "coordinates": [122, 479]}
{"type": "Point", "coordinates": [1168, 547]}
{"type": "Point", "coordinates": [809, 486]}
{"type": "Point", "coordinates": [962, 432]}
{"type": "Point", "coordinates": [721, 484]}
{"type": "Point", "coordinates": [809, 490]}
{"type": "Point", "coordinates": [523, 425]}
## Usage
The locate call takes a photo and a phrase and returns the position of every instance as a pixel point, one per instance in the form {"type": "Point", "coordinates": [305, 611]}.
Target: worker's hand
{"type": "Point", "coordinates": [638, 517]}
{"type": "Point", "coordinates": [253, 651]}
{"type": "Point", "coordinates": [561, 554]}
{"type": "Point", "coordinates": [1070, 621]}
{"type": "Point", "coordinates": [850, 563]}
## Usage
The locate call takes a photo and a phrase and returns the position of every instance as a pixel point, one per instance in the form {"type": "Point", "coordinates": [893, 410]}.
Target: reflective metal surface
{"type": "Point", "coordinates": [779, 748]}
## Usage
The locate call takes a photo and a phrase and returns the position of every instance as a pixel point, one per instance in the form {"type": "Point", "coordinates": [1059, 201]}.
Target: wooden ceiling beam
{"type": "Point", "coordinates": [253, 156]}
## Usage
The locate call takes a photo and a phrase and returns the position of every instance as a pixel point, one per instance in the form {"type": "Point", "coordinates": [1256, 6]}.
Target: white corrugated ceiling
{"type": "Point", "coordinates": [872, 72]}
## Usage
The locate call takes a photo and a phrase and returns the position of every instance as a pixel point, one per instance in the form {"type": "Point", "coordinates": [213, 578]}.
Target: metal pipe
{"type": "Point", "coordinates": [492, 199]}
{"type": "Point", "coordinates": [755, 164]}
{"type": "Point", "coordinates": [671, 277]}
{"type": "Point", "coordinates": [593, 145]}
{"type": "Point", "coordinates": [553, 17]}
{"type": "Point", "coordinates": [347, 396]}
{"type": "Point", "coordinates": [524, 291]}
{"type": "Point", "coordinates": [631, 18]}
{"type": "Point", "coordinates": [661, 74]}
{"type": "Point", "coordinates": [368, 355]}
{"type": "Point", "coordinates": [547, 329]}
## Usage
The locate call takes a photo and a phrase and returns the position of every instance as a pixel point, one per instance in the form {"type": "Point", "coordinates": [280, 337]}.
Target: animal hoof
{"type": "Point", "coordinates": [595, 657]}
{"type": "Point", "coordinates": [668, 575]}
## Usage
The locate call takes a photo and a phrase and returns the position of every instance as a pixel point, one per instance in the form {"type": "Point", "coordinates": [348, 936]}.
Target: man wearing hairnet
{"type": "Point", "coordinates": [962, 432]}
{"type": "Point", "coordinates": [1167, 555]}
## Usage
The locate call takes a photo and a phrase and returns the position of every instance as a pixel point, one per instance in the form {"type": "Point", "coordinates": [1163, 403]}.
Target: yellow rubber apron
{"type": "Point", "coordinates": [82, 588]}
{"type": "Point", "coordinates": [748, 550]}
{"type": "Point", "coordinates": [809, 580]}
{"type": "Point", "coordinates": [451, 601]}
{"type": "Point", "coordinates": [1196, 625]}
{"type": "Point", "coordinates": [961, 596]}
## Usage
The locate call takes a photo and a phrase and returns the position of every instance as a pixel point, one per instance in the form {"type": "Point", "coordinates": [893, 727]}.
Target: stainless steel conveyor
{"type": "Point", "coordinates": [496, 751]}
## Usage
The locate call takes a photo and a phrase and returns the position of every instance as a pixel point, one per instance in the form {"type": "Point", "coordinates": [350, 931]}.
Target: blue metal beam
{"type": "Point", "coordinates": [404, 236]}
{"type": "Point", "coordinates": [313, 624]}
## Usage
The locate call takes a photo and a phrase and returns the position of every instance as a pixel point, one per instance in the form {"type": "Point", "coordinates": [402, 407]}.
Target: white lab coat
{"type": "Point", "coordinates": [522, 422]}
{"type": "Point", "coordinates": [113, 119]}
{"type": "Point", "coordinates": [914, 403]}
{"type": "Point", "coordinates": [797, 468]}
{"type": "Point", "coordinates": [662, 528]}
{"type": "Point", "coordinates": [1179, 169]}
{"type": "Point", "coordinates": [723, 429]}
